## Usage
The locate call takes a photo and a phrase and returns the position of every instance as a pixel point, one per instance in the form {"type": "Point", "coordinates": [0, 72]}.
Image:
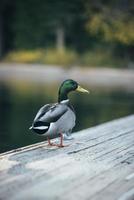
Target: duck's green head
{"type": "Point", "coordinates": [69, 86]}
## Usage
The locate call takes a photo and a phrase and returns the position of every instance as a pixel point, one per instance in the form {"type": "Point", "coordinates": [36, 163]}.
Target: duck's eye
{"type": "Point", "coordinates": [75, 86]}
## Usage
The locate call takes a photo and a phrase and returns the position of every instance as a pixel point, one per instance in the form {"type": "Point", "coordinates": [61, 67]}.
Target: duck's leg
{"type": "Point", "coordinates": [57, 145]}
{"type": "Point", "coordinates": [49, 142]}
{"type": "Point", "coordinates": [61, 140]}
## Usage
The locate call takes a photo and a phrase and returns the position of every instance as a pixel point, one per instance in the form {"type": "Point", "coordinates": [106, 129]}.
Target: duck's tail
{"type": "Point", "coordinates": [40, 127]}
{"type": "Point", "coordinates": [30, 128]}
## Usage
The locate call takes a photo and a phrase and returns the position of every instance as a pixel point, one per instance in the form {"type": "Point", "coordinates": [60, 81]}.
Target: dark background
{"type": "Point", "coordinates": [80, 25]}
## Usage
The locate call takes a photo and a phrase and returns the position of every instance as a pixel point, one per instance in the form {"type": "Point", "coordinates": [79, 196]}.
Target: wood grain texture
{"type": "Point", "coordinates": [98, 164]}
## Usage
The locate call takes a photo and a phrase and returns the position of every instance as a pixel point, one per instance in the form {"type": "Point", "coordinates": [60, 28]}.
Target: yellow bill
{"type": "Point", "coordinates": [80, 89]}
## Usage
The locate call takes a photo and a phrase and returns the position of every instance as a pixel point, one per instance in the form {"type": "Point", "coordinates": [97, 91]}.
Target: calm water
{"type": "Point", "coordinates": [19, 103]}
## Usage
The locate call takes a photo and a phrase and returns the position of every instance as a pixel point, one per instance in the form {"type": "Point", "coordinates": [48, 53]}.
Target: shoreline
{"type": "Point", "coordinates": [110, 78]}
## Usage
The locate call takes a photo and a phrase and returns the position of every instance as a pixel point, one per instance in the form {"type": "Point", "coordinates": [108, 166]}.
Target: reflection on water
{"type": "Point", "coordinates": [18, 106]}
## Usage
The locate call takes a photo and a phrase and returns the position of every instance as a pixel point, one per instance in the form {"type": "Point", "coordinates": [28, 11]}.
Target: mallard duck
{"type": "Point", "coordinates": [53, 120]}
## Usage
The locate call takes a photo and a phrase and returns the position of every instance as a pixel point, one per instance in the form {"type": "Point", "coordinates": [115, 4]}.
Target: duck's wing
{"type": "Point", "coordinates": [51, 112]}
{"type": "Point", "coordinates": [42, 111]}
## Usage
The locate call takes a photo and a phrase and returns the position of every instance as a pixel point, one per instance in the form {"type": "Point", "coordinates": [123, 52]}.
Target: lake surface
{"type": "Point", "coordinates": [19, 102]}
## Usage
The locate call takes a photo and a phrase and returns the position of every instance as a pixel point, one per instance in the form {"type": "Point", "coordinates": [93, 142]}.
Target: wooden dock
{"type": "Point", "coordinates": [98, 165]}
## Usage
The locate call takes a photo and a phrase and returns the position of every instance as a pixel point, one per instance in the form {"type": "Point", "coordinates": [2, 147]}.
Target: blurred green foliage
{"type": "Point", "coordinates": [36, 21]}
{"type": "Point", "coordinates": [44, 56]}
{"type": "Point", "coordinates": [113, 20]}
{"type": "Point", "coordinates": [120, 30]}
{"type": "Point", "coordinates": [84, 26]}
{"type": "Point", "coordinates": [66, 57]}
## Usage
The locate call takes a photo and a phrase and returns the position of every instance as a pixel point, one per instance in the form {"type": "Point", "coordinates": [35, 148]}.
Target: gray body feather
{"type": "Point", "coordinates": [53, 119]}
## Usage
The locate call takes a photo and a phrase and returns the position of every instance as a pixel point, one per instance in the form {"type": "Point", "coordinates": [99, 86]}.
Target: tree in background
{"type": "Point", "coordinates": [41, 23]}
{"type": "Point", "coordinates": [112, 21]}
{"type": "Point", "coordinates": [4, 5]}
{"type": "Point", "coordinates": [82, 25]}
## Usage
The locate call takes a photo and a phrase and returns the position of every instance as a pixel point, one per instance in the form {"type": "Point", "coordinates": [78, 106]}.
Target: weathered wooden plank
{"type": "Point", "coordinates": [98, 164]}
